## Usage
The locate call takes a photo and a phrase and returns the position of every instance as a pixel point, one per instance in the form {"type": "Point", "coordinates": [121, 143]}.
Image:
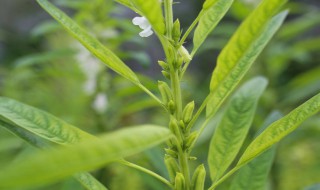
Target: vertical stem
{"type": "Point", "coordinates": [169, 17]}
{"type": "Point", "coordinates": [175, 83]}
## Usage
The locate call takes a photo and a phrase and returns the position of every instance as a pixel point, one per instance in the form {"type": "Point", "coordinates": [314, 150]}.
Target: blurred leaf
{"type": "Point", "coordinates": [253, 176]}
{"type": "Point", "coordinates": [241, 51]}
{"type": "Point", "coordinates": [151, 9]}
{"type": "Point", "coordinates": [45, 28]}
{"type": "Point", "coordinates": [209, 18]}
{"type": "Point", "coordinates": [313, 187]}
{"type": "Point", "coordinates": [92, 44]}
{"type": "Point", "coordinates": [52, 165]}
{"type": "Point", "coordinates": [43, 57]}
{"type": "Point", "coordinates": [299, 26]}
{"type": "Point", "coordinates": [279, 129]}
{"type": "Point", "coordinates": [234, 126]}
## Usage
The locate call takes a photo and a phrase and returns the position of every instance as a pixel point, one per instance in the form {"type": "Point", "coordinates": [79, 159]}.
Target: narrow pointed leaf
{"type": "Point", "coordinates": [253, 176]}
{"type": "Point", "coordinates": [210, 15]}
{"type": "Point", "coordinates": [281, 128]}
{"type": "Point", "coordinates": [38, 128]}
{"type": "Point", "coordinates": [86, 155]}
{"type": "Point", "coordinates": [151, 9]}
{"type": "Point", "coordinates": [239, 54]}
{"type": "Point", "coordinates": [234, 126]}
{"type": "Point", "coordinates": [92, 44]}
{"type": "Point", "coordinates": [40, 123]}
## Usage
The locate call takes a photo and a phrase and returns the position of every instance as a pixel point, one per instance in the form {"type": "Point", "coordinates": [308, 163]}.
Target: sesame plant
{"type": "Point", "coordinates": [69, 151]}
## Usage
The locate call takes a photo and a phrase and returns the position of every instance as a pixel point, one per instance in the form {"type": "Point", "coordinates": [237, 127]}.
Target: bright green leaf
{"type": "Point", "coordinates": [38, 128]}
{"type": "Point", "coordinates": [209, 18]}
{"type": "Point", "coordinates": [92, 44]}
{"type": "Point", "coordinates": [151, 9]}
{"type": "Point", "coordinates": [239, 54]}
{"type": "Point", "coordinates": [253, 176]}
{"type": "Point", "coordinates": [40, 123]}
{"type": "Point", "coordinates": [279, 129]}
{"type": "Point", "coordinates": [86, 155]}
{"type": "Point", "coordinates": [234, 126]}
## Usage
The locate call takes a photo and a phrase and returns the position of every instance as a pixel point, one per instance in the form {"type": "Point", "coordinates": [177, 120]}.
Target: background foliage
{"type": "Point", "coordinates": [41, 65]}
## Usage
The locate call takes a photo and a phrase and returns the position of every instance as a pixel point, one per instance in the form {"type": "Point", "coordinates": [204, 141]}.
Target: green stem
{"type": "Point", "coordinates": [175, 83]}
{"type": "Point", "coordinates": [183, 160]}
{"type": "Point", "coordinates": [142, 169]}
{"type": "Point", "coordinates": [224, 178]}
{"type": "Point", "coordinates": [169, 17]}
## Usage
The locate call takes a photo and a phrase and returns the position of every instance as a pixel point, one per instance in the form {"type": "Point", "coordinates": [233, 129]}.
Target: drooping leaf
{"type": "Point", "coordinates": [279, 129]}
{"type": "Point", "coordinates": [40, 129]}
{"type": "Point", "coordinates": [234, 126]}
{"type": "Point", "coordinates": [241, 51]}
{"type": "Point", "coordinates": [40, 123]}
{"type": "Point", "coordinates": [151, 9]}
{"type": "Point", "coordinates": [86, 155]}
{"type": "Point", "coordinates": [92, 44]}
{"type": "Point", "coordinates": [253, 176]}
{"type": "Point", "coordinates": [211, 14]}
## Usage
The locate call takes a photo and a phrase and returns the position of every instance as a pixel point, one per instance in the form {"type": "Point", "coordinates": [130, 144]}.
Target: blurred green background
{"type": "Point", "coordinates": [41, 65]}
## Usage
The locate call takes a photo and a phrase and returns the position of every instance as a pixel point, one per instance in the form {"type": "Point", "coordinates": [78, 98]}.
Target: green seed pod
{"type": "Point", "coordinates": [171, 153]}
{"type": "Point", "coordinates": [182, 125]}
{"type": "Point", "coordinates": [171, 107]}
{"type": "Point", "coordinates": [165, 91]}
{"type": "Point", "coordinates": [176, 32]}
{"type": "Point", "coordinates": [188, 112]}
{"type": "Point", "coordinates": [173, 126]}
{"type": "Point", "coordinates": [198, 178]}
{"type": "Point", "coordinates": [172, 167]}
{"type": "Point", "coordinates": [179, 182]}
{"type": "Point", "coordinates": [163, 65]}
{"type": "Point", "coordinates": [190, 139]}
{"type": "Point", "coordinates": [166, 74]}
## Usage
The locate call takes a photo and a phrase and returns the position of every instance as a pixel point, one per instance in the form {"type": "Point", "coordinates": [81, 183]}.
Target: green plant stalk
{"type": "Point", "coordinates": [182, 154]}
{"type": "Point", "coordinates": [142, 169]}
{"type": "Point", "coordinates": [169, 17]}
{"type": "Point", "coordinates": [186, 34]}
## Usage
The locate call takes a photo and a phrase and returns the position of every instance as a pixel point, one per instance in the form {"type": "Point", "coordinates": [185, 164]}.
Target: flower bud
{"type": "Point", "coordinates": [173, 126]}
{"type": "Point", "coordinates": [172, 167]}
{"type": "Point", "coordinates": [166, 74]}
{"type": "Point", "coordinates": [176, 32]}
{"type": "Point", "coordinates": [179, 182]}
{"type": "Point", "coordinates": [198, 178]}
{"type": "Point", "coordinates": [164, 91]}
{"type": "Point", "coordinates": [171, 107]}
{"type": "Point", "coordinates": [190, 139]}
{"type": "Point", "coordinates": [187, 112]}
{"type": "Point", "coordinates": [171, 152]}
{"type": "Point", "coordinates": [163, 65]}
{"type": "Point", "coordinates": [184, 54]}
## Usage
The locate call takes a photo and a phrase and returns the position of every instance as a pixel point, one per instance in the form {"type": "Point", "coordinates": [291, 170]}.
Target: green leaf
{"type": "Point", "coordinates": [55, 164]}
{"type": "Point", "coordinates": [92, 44]}
{"type": "Point", "coordinates": [234, 126]}
{"type": "Point", "coordinates": [212, 12]}
{"type": "Point", "coordinates": [253, 176]}
{"type": "Point", "coordinates": [240, 52]}
{"type": "Point", "coordinates": [279, 129]}
{"type": "Point", "coordinates": [40, 123]}
{"type": "Point", "coordinates": [151, 9]}
{"type": "Point", "coordinates": [38, 128]}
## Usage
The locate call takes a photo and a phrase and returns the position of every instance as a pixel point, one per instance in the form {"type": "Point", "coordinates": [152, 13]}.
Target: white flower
{"type": "Point", "coordinates": [143, 24]}
{"type": "Point", "coordinates": [100, 103]}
